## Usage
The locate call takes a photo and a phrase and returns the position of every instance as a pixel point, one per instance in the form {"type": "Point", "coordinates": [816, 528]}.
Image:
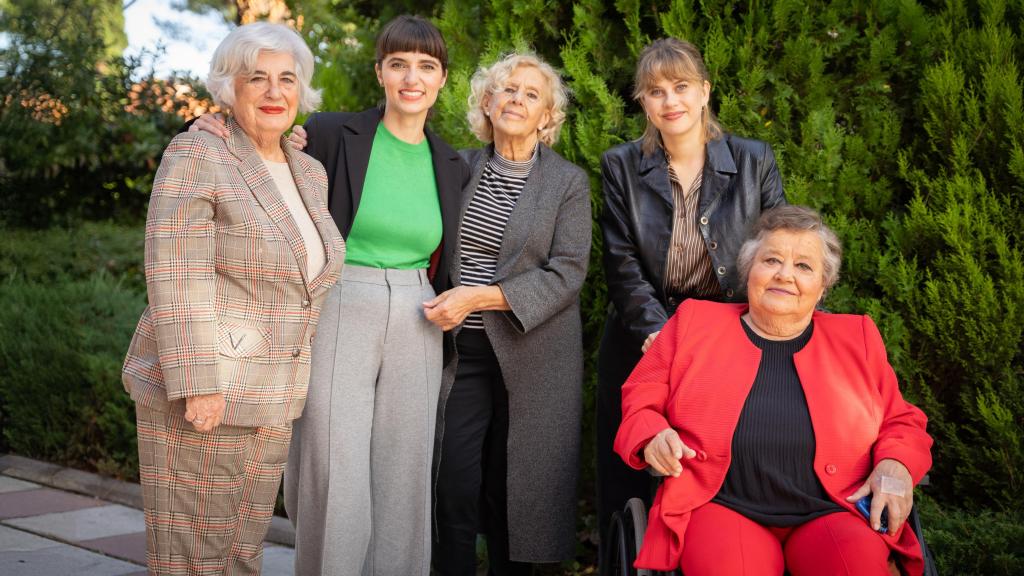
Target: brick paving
{"type": "Point", "coordinates": [60, 522]}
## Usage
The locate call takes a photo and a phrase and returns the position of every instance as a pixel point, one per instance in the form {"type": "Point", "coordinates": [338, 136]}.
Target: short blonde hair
{"type": "Point", "coordinates": [237, 55]}
{"type": "Point", "coordinates": [488, 80]}
{"type": "Point", "coordinates": [673, 59]}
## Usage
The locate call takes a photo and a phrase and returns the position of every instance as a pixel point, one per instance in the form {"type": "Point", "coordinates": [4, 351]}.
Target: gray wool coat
{"type": "Point", "coordinates": [539, 345]}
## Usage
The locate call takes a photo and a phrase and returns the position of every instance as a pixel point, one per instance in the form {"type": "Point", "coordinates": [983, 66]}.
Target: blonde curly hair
{"type": "Point", "coordinates": [490, 79]}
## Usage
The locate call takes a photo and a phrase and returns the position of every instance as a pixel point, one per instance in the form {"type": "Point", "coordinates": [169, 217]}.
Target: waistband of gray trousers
{"type": "Point", "coordinates": [384, 276]}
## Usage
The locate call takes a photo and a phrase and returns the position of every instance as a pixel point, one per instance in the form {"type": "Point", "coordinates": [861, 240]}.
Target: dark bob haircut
{"type": "Point", "coordinates": [408, 33]}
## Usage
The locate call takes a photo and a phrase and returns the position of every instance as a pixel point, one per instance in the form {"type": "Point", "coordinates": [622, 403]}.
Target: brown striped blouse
{"type": "Point", "coordinates": [688, 269]}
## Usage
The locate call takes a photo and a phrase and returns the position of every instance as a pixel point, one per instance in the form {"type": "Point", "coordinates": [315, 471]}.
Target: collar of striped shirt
{"type": "Point", "coordinates": [513, 168]}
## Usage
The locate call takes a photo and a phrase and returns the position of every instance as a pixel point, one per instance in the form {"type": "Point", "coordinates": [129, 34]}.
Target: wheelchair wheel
{"type": "Point", "coordinates": [624, 538]}
{"type": "Point", "coordinates": [636, 511]}
{"type": "Point", "coordinates": [914, 523]}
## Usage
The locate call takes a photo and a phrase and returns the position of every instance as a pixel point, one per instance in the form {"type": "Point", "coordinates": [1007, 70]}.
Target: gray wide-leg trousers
{"type": "Point", "coordinates": [357, 483]}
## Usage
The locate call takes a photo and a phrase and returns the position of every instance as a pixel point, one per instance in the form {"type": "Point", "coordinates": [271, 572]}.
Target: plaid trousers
{"type": "Point", "coordinates": [208, 498]}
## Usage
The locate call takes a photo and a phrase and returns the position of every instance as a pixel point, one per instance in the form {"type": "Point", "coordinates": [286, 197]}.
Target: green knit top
{"type": "Point", "coordinates": [398, 222]}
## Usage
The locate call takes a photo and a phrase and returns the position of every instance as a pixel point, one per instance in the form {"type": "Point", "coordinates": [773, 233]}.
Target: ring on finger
{"type": "Point", "coordinates": [198, 421]}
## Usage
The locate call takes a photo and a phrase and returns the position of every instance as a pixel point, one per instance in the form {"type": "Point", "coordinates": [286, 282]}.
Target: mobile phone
{"type": "Point", "coordinates": [864, 507]}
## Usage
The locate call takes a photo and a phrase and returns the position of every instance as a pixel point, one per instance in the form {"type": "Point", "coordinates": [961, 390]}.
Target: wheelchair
{"type": "Point", "coordinates": [625, 536]}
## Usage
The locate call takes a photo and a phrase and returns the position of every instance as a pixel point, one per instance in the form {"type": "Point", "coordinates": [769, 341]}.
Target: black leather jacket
{"type": "Point", "coordinates": [740, 180]}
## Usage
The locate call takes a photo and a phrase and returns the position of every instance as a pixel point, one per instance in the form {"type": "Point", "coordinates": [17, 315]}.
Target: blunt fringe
{"type": "Point", "coordinates": [673, 59]}
{"type": "Point", "coordinates": [408, 33]}
{"type": "Point", "coordinates": [237, 55]}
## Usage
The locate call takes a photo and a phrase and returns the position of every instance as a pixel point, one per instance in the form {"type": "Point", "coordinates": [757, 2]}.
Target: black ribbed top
{"type": "Point", "coordinates": [771, 478]}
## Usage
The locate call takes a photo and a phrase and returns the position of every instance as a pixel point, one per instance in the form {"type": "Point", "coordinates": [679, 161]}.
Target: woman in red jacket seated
{"type": "Point", "coordinates": [771, 420]}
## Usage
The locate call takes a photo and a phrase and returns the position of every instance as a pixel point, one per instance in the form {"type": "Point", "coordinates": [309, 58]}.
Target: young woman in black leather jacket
{"type": "Point", "coordinates": [677, 204]}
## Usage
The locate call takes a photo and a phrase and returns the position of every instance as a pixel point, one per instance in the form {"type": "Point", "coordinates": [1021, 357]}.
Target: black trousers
{"type": "Point", "coordinates": [472, 467]}
{"type": "Point", "coordinates": [616, 482]}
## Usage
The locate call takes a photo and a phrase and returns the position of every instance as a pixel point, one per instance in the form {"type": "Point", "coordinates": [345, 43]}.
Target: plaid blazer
{"type": "Point", "coordinates": [232, 308]}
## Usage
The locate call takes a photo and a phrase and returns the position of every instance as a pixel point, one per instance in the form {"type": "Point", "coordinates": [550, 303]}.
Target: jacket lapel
{"type": "Point", "coordinates": [358, 133]}
{"type": "Point", "coordinates": [321, 218]}
{"type": "Point", "coordinates": [654, 173]}
{"type": "Point", "coordinates": [718, 172]}
{"type": "Point", "coordinates": [258, 178]}
{"type": "Point", "coordinates": [519, 226]}
{"type": "Point", "coordinates": [479, 161]}
{"type": "Point", "coordinates": [449, 194]}
{"type": "Point", "coordinates": [837, 401]}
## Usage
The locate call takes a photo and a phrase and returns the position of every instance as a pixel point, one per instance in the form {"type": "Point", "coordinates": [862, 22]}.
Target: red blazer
{"type": "Point", "coordinates": [695, 379]}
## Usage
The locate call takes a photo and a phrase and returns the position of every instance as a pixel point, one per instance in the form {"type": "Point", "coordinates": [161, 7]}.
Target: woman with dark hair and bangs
{"type": "Point", "coordinates": [357, 484]}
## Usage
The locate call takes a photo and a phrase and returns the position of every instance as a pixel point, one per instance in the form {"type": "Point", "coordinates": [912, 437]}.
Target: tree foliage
{"type": "Point", "coordinates": [80, 131]}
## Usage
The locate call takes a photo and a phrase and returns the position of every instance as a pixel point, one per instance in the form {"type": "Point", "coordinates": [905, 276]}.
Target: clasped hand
{"type": "Point", "coordinates": [449, 308]}
{"type": "Point", "coordinates": [205, 411]}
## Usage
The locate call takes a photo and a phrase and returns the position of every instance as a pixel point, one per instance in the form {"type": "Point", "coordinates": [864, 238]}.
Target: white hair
{"type": "Point", "coordinates": [792, 218]}
{"type": "Point", "coordinates": [238, 53]}
{"type": "Point", "coordinates": [489, 80]}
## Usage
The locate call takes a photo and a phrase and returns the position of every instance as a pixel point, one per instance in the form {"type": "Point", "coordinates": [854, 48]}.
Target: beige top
{"type": "Point", "coordinates": [315, 256]}
{"type": "Point", "coordinates": [688, 269]}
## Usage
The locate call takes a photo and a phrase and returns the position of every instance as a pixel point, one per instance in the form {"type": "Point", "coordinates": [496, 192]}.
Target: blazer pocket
{"type": "Point", "coordinates": [240, 341]}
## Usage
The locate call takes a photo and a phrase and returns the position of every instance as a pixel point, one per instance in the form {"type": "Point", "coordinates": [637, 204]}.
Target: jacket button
{"type": "Point", "coordinates": [704, 220]}
{"type": "Point", "coordinates": [831, 469]}
{"type": "Point", "coordinates": [721, 270]}
{"type": "Point", "coordinates": [311, 336]}
{"type": "Point", "coordinates": [713, 245]}
{"type": "Point", "coordinates": [296, 352]}
{"type": "Point", "coordinates": [729, 293]}
{"type": "Point", "coordinates": [305, 303]}
{"type": "Point", "coordinates": [673, 301]}
{"type": "Point", "coordinates": [702, 455]}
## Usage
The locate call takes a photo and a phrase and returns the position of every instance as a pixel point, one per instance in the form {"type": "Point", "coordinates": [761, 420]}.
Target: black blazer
{"type": "Point", "coordinates": [740, 180]}
{"type": "Point", "coordinates": [342, 142]}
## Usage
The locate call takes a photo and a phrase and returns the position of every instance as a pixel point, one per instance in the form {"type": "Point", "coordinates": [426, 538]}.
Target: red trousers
{"type": "Point", "coordinates": [722, 542]}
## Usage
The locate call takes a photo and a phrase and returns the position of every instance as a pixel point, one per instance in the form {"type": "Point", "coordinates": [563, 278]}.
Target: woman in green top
{"type": "Point", "coordinates": [357, 485]}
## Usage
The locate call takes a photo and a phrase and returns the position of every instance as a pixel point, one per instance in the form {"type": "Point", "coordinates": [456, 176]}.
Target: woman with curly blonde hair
{"type": "Point", "coordinates": [508, 433]}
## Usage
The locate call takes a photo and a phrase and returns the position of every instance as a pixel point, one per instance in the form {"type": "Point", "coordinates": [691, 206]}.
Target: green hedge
{"type": "Point", "coordinates": [975, 542]}
{"type": "Point", "coordinates": [69, 301]}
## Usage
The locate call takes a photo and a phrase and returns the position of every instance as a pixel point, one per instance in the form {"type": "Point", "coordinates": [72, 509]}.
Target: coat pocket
{"type": "Point", "coordinates": [238, 341]}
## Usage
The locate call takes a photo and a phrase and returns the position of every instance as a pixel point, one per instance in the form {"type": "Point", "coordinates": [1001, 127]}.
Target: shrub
{"type": "Point", "coordinates": [63, 336]}
{"type": "Point", "coordinates": [973, 542]}
{"type": "Point", "coordinates": [62, 254]}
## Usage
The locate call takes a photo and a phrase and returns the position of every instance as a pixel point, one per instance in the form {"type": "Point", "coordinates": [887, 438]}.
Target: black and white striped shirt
{"type": "Point", "coordinates": [483, 226]}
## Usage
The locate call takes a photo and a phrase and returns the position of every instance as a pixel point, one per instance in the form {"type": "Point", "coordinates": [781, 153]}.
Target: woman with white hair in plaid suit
{"type": "Point", "coordinates": [240, 254]}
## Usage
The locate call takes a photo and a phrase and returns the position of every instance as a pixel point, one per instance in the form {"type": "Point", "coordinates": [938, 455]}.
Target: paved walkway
{"type": "Point", "coordinates": [57, 521]}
